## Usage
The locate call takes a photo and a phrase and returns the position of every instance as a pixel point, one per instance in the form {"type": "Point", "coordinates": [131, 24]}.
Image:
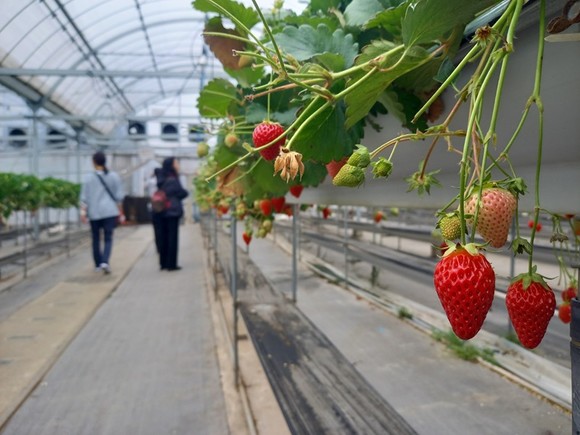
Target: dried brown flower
{"type": "Point", "coordinates": [289, 164]}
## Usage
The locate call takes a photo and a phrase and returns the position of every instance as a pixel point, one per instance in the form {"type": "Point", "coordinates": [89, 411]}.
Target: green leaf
{"type": "Point", "coordinates": [314, 174]}
{"type": "Point", "coordinates": [390, 100]}
{"type": "Point", "coordinates": [362, 99]}
{"type": "Point", "coordinates": [389, 19]}
{"type": "Point", "coordinates": [325, 138]}
{"type": "Point", "coordinates": [248, 16]}
{"type": "Point", "coordinates": [323, 5]}
{"type": "Point", "coordinates": [256, 113]}
{"type": "Point", "coordinates": [445, 70]}
{"type": "Point", "coordinates": [306, 42]}
{"type": "Point", "coordinates": [330, 21]}
{"type": "Point", "coordinates": [246, 76]}
{"type": "Point", "coordinates": [358, 12]}
{"type": "Point", "coordinates": [432, 20]}
{"type": "Point", "coordinates": [216, 98]}
{"type": "Point", "coordinates": [264, 179]}
{"type": "Point", "coordinates": [410, 105]}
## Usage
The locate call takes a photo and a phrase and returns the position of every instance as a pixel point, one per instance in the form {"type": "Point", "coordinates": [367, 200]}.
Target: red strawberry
{"type": "Point", "coordinates": [278, 204]}
{"type": "Point", "coordinates": [538, 227]}
{"type": "Point", "coordinates": [565, 312]}
{"type": "Point", "coordinates": [265, 133]}
{"type": "Point", "coordinates": [296, 190]}
{"type": "Point", "coordinates": [247, 237]}
{"type": "Point", "coordinates": [530, 308]}
{"type": "Point", "coordinates": [569, 294]}
{"type": "Point", "coordinates": [326, 212]}
{"type": "Point", "coordinates": [530, 223]}
{"type": "Point", "coordinates": [465, 283]}
{"type": "Point", "coordinates": [495, 215]}
{"type": "Point", "coordinates": [334, 166]}
{"type": "Point", "coordinates": [224, 207]}
{"type": "Point", "coordinates": [266, 207]}
{"type": "Point", "coordinates": [379, 215]}
{"type": "Point", "coordinates": [288, 210]}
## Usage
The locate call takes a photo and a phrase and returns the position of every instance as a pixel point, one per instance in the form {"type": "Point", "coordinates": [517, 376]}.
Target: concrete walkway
{"type": "Point", "coordinates": [145, 363]}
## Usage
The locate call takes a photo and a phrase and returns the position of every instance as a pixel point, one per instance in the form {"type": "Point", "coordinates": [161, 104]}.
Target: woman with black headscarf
{"type": "Point", "coordinates": [168, 181]}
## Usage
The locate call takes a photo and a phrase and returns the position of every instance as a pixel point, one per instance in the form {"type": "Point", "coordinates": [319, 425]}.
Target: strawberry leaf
{"type": "Point", "coordinates": [390, 19]}
{"type": "Point", "coordinates": [326, 138]}
{"type": "Point", "coordinates": [362, 98]}
{"type": "Point", "coordinates": [246, 76]}
{"type": "Point", "coordinates": [246, 15]}
{"type": "Point", "coordinates": [256, 113]}
{"type": "Point", "coordinates": [216, 99]}
{"type": "Point", "coordinates": [359, 12]}
{"type": "Point", "coordinates": [427, 21]}
{"type": "Point", "coordinates": [314, 174]}
{"type": "Point", "coordinates": [335, 49]}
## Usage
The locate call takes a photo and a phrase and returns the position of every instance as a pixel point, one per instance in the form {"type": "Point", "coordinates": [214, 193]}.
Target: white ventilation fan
{"type": "Point", "coordinates": [564, 37]}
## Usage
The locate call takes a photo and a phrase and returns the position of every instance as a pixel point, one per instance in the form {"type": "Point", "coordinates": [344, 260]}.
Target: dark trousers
{"type": "Point", "coordinates": [156, 219]}
{"type": "Point", "coordinates": [106, 226]}
{"type": "Point", "coordinates": [168, 242]}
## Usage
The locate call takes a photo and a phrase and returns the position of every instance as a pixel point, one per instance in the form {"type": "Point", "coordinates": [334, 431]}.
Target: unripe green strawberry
{"type": "Point", "coordinates": [530, 308]}
{"type": "Point", "coordinates": [202, 149]}
{"type": "Point", "coordinates": [495, 214]}
{"type": "Point", "coordinates": [450, 227]}
{"type": "Point", "coordinates": [349, 176]}
{"type": "Point", "coordinates": [465, 283]}
{"type": "Point", "coordinates": [266, 132]}
{"type": "Point", "coordinates": [382, 168]}
{"type": "Point", "coordinates": [230, 140]}
{"type": "Point", "coordinates": [266, 225]}
{"type": "Point", "coordinates": [360, 158]}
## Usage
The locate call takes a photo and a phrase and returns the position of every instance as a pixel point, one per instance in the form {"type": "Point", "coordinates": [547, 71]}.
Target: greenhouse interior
{"type": "Point", "coordinates": [289, 217]}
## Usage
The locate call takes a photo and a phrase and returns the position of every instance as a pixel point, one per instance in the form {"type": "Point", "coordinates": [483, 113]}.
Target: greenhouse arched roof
{"type": "Point", "coordinates": [102, 60]}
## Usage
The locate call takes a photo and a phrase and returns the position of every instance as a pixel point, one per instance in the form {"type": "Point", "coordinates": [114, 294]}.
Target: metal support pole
{"type": "Point", "coordinates": [78, 164]}
{"type": "Point", "coordinates": [295, 211]}
{"type": "Point", "coordinates": [234, 291]}
{"type": "Point", "coordinates": [345, 209]}
{"type": "Point", "coordinates": [375, 227]}
{"type": "Point", "coordinates": [214, 246]}
{"type": "Point", "coordinates": [35, 169]}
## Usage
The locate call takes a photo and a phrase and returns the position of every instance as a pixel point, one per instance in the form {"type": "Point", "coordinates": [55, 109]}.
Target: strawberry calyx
{"type": "Point", "coordinates": [470, 248]}
{"type": "Point", "coordinates": [527, 278]}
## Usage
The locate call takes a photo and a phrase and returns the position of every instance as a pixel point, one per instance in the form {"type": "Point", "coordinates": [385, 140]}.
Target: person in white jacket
{"type": "Point", "coordinates": [101, 199]}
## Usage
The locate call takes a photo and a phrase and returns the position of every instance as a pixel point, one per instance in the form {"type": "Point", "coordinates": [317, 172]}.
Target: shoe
{"type": "Point", "coordinates": [106, 268]}
{"type": "Point", "coordinates": [174, 268]}
{"type": "Point", "coordinates": [98, 269]}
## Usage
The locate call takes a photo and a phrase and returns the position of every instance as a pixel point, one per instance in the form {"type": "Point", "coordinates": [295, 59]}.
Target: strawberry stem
{"type": "Point", "coordinates": [537, 99]}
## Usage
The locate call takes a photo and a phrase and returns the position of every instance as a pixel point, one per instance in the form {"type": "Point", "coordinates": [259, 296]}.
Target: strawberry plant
{"type": "Point", "coordinates": [310, 86]}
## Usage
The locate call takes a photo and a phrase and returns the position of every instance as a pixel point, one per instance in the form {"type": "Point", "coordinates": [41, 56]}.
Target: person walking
{"type": "Point", "coordinates": [168, 181]}
{"type": "Point", "coordinates": [101, 199]}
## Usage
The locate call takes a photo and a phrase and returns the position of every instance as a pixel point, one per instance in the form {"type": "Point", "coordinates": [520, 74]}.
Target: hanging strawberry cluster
{"type": "Point", "coordinates": [307, 91]}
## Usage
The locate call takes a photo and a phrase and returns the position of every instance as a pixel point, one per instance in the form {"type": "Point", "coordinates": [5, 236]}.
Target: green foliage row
{"type": "Point", "coordinates": [27, 192]}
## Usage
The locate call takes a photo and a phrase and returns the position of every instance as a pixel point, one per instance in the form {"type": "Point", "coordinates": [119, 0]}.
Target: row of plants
{"type": "Point", "coordinates": [309, 85]}
{"type": "Point", "coordinates": [24, 192]}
